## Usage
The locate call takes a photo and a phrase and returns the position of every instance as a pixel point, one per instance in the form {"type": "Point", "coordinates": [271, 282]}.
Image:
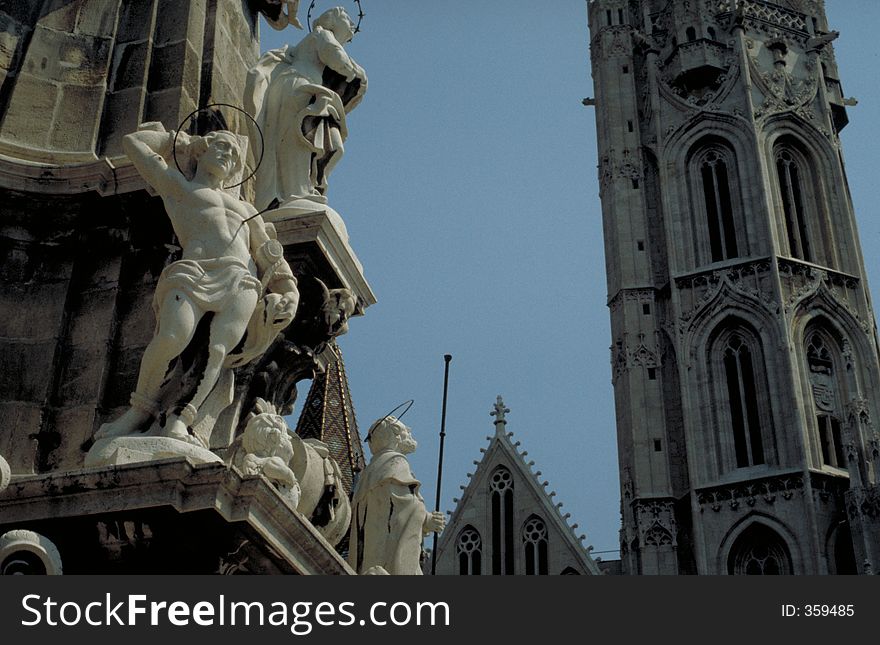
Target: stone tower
{"type": "Point", "coordinates": [744, 347]}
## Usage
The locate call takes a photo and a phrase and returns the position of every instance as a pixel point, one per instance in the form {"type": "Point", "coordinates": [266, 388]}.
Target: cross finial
{"type": "Point", "coordinates": [498, 412]}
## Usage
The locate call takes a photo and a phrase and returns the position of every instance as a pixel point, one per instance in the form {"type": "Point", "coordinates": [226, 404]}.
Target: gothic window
{"type": "Point", "coordinates": [759, 551]}
{"type": "Point", "coordinates": [712, 34]}
{"type": "Point", "coordinates": [739, 397]}
{"type": "Point", "coordinates": [501, 489]}
{"type": "Point", "coordinates": [469, 549]}
{"type": "Point", "coordinates": [534, 537]}
{"type": "Point", "coordinates": [716, 197]}
{"type": "Point", "coordinates": [691, 34]}
{"type": "Point", "coordinates": [792, 191]}
{"type": "Point", "coordinates": [745, 418]}
{"type": "Point", "coordinates": [826, 396]}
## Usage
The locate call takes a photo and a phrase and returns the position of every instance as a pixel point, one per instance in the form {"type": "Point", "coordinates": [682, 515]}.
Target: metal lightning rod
{"type": "Point", "coordinates": [447, 358]}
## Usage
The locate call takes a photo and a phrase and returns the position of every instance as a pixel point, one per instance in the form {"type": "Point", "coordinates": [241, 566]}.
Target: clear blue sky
{"type": "Point", "coordinates": [469, 190]}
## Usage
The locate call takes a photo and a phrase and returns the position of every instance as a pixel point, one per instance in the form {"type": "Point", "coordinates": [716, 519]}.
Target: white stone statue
{"type": "Point", "coordinates": [389, 515]}
{"type": "Point", "coordinates": [266, 449]}
{"type": "Point", "coordinates": [301, 469]}
{"type": "Point", "coordinates": [299, 96]}
{"type": "Point", "coordinates": [232, 267]}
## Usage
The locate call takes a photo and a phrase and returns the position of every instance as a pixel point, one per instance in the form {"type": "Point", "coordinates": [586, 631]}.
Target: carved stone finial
{"type": "Point", "coordinates": [499, 410]}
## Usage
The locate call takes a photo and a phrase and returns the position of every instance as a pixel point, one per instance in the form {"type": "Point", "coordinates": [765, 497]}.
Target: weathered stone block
{"type": "Point", "coordinates": [122, 114]}
{"type": "Point", "coordinates": [18, 443]}
{"type": "Point", "coordinates": [98, 17]}
{"type": "Point", "coordinates": [176, 20]}
{"type": "Point", "coordinates": [67, 58]}
{"type": "Point", "coordinates": [26, 369]}
{"type": "Point", "coordinates": [125, 368]}
{"type": "Point", "coordinates": [82, 374]}
{"type": "Point", "coordinates": [77, 129]}
{"type": "Point", "coordinates": [129, 67]}
{"type": "Point", "coordinates": [31, 109]}
{"type": "Point", "coordinates": [135, 21]}
{"type": "Point", "coordinates": [94, 316]}
{"type": "Point", "coordinates": [73, 427]}
{"type": "Point", "coordinates": [11, 33]}
{"type": "Point", "coordinates": [170, 106]}
{"type": "Point", "coordinates": [22, 11]}
{"type": "Point", "coordinates": [60, 15]}
{"type": "Point", "coordinates": [174, 65]}
{"type": "Point", "coordinates": [38, 310]}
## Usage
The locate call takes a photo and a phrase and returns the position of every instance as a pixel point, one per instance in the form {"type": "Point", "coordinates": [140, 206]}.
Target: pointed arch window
{"type": "Point", "coordinates": [501, 489]}
{"type": "Point", "coordinates": [759, 551]}
{"type": "Point", "coordinates": [790, 172]}
{"type": "Point", "coordinates": [717, 200]}
{"type": "Point", "coordinates": [469, 549]}
{"type": "Point", "coordinates": [741, 397]}
{"type": "Point", "coordinates": [534, 537]}
{"type": "Point", "coordinates": [745, 418]}
{"type": "Point", "coordinates": [826, 390]}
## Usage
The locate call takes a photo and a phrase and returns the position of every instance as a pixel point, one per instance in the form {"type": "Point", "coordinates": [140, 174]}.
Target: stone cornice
{"type": "Point", "coordinates": [185, 488]}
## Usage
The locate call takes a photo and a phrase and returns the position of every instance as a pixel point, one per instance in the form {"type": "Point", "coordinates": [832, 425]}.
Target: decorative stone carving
{"type": "Point", "coordinates": [299, 96]}
{"type": "Point", "coordinates": [749, 493]}
{"type": "Point", "coordinates": [862, 502]}
{"type": "Point", "coordinates": [27, 552]}
{"type": "Point", "coordinates": [655, 522]}
{"type": "Point", "coordinates": [390, 517]}
{"type": "Point", "coordinates": [302, 470]}
{"type": "Point", "coordinates": [218, 307]}
{"type": "Point", "coordinates": [781, 90]}
{"type": "Point", "coordinates": [699, 291]}
{"type": "Point", "coordinates": [266, 449]}
{"type": "Point", "coordinates": [645, 354]}
{"type": "Point", "coordinates": [323, 315]}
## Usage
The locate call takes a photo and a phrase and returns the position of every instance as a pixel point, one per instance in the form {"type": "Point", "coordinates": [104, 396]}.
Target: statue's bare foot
{"type": "Point", "coordinates": [175, 428]}
{"type": "Point", "coordinates": [129, 423]}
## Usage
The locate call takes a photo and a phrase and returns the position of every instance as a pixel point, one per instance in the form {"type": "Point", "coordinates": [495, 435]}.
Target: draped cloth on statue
{"type": "Point", "coordinates": [387, 527]}
{"type": "Point", "coordinates": [210, 284]}
{"type": "Point", "coordinates": [302, 119]}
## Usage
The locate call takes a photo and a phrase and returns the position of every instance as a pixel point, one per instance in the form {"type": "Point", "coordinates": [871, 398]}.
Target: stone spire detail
{"type": "Point", "coordinates": [499, 411]}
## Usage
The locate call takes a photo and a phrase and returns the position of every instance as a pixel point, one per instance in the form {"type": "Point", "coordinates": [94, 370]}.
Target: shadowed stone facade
{"type": "Point", "coordinates": [744, 347]}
